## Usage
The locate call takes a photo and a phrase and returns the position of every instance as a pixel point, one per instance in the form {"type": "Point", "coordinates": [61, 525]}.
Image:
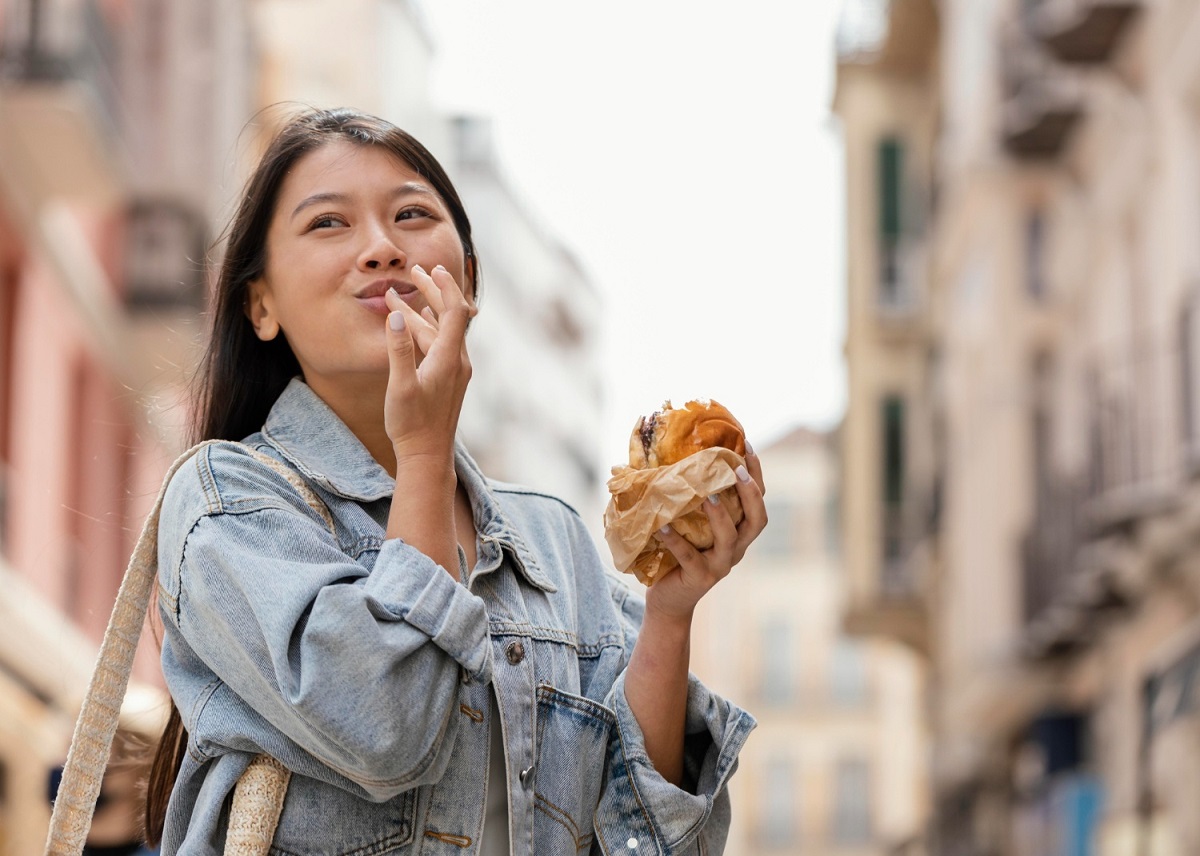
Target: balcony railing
{"type": "Point", "coordinates": [59, 97]}
{"type": "Point", "coordinates": [49, 42]}
{"type": "Point", "coordinates": [1138, 441]}
{"type": "Point", "coordinates": [1052, 545]}
{"type": "Point", "coordinates": [1043, 100]}
{"type": "Point", "coordinates": [1081, 31]}
{"type": "Point", "coordinates": [165, 262]}
{"type": "Point", "coordinates": [902, 273]}
{"type": "Point", "coordinates": [906, 528]}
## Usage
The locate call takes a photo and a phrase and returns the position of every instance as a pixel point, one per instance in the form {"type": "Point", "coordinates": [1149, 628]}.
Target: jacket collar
{"type": "Point", "coordinates": [316, 442]}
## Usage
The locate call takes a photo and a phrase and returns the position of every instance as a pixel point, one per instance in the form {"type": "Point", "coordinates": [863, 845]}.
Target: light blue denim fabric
{"type": "Point", "coordinates": [365, 668]}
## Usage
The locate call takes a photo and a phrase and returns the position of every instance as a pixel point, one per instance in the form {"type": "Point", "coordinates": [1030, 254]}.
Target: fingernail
{"type": "Point", "coordinates": [666, 530]}
{"type": "Point", "coordinates": [439, 267]}
{"type": "Point", "coordinates": [742, 474]}
{"type": "Point", "coordinates": [749, 448]}
{"type": "Point", "coordinates": [712, 497]}
{"type": "Point", "coordinates": [396, 321]}
{"type": "Point", "coordinates": [418, 269]}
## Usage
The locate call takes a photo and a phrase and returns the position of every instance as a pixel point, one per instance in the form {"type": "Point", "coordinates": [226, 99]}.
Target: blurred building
{"type": "Point", "coordinates": [533, 411]}
{"type": "Point", "coordinates": [1023, 185]}
{"type": "Point", "coordinates": [126, 130]}
{"type": "Point", "coordinates": [116, 128]}
{"type": "Point", "coordinates": [535, 408]}
{"type": "Point", "coordinates": [836, 766]}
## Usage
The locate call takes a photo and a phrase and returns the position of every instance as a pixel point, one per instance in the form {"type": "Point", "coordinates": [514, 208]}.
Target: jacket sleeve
{"type": "Point", "coordinates": [360, 669]}
{"type": "Point", "coordinates": [637, 803]}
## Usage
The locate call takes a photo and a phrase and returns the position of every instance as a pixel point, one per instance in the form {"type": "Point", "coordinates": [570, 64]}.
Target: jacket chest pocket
{"type": "Point", "coordinates": [321, 820]}
{"type": "Point", "coordinates": [572, 745]}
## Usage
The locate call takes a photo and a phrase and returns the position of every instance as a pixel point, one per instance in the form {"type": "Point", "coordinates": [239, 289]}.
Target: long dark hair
{"type": "Point", "coordinates": [241, 376]}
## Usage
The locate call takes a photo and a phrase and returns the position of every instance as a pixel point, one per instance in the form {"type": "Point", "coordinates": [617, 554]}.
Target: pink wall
{"type": "Point", "coordinates": [84, 469]}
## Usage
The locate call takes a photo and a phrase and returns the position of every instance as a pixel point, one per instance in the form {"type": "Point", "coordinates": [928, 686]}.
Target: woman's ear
{"type": "Point", "coordinates": [259, 310]}
{"type": "Point", "coordinates": [471, 278]}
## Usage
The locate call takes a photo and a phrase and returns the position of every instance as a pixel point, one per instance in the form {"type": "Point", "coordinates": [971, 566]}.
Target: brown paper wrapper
{"type": "Point", "coordinates": [644, 501]}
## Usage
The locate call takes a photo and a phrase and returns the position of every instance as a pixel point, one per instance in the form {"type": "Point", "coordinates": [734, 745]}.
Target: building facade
{"type": "Point", "coordinates": [113, 136]}
{"type": "Point", "coordinates": [836, 766]}
{"type": "Point", "coordinates": [1022, 183]}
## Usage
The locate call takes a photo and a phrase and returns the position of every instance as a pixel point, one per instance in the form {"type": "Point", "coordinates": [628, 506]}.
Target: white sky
{"type": "Point", "coordinates": [685, 152]}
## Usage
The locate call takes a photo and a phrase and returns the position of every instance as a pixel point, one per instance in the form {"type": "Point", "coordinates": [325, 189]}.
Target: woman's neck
{"type": "Point", "coordinates": [360, 406]}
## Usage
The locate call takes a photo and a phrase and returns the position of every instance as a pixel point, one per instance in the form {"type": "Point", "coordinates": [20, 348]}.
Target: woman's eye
{"type": "Point", "coordinates": [411, 213]}
{"type": "Point", "coordinates": [325, 221]}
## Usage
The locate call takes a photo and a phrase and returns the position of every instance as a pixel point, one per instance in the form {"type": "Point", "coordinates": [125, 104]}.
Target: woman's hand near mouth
{"type": "Point", "coordinates": [428, 364]}
{"type": "Point", "coordinates": [428, 373]}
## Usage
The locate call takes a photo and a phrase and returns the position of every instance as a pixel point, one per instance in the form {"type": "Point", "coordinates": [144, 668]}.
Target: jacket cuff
{"type": "Point", "coordinates": [419, 591]}
{"type": "Point", "coordinates": [649, 814]}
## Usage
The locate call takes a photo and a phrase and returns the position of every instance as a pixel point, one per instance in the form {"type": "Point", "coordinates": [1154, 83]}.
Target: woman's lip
{"type": "Point", "coordinates": [379, 306]}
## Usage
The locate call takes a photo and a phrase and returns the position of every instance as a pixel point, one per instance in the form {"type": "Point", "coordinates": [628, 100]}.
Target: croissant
{"type": "Point", "coordinates": [667, 437]}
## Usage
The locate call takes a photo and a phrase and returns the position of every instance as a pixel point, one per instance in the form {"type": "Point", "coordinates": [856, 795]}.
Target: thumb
{"type": "Point", "coordinates": [401, 362]}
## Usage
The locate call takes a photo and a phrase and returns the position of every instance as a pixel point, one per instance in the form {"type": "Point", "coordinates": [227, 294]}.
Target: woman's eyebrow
{"type": "Point", "coordinates": [403, 190]}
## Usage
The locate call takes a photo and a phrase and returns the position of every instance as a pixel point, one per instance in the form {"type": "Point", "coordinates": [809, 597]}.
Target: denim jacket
{"type": "Point", "coordinates": [366, 669]}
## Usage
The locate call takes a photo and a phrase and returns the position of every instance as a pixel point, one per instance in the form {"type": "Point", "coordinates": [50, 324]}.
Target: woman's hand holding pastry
{"type": "Point", "coordinates": [676, 594]}
{"type": "Point", "coordinates": [425, 391]}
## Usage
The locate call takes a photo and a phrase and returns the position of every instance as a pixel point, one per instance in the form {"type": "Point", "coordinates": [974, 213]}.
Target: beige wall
{"type": "Point", "coordinates": [1101, 353]}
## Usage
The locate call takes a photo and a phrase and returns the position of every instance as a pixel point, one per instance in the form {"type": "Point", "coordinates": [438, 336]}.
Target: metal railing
{"type": "Point", "coordinates": [1079, 31]}
{"type": "Point", "coordinates": [62, 41]}
{"type": "Point", "coordinates": [1052, 544]}
{"type": "Point", "coordinates": [905, 528]}
{"type": "Point", "coordinates": [902, 274]}
{"type": "Point", "coordinates": [1137, 428]}
{"type": "Point", "coordinates": [1043, 100]}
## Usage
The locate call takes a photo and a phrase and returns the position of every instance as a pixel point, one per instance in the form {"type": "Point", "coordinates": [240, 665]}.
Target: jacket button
{"type": "Point", "coordinates": [526, 775]}
{"type": "Point", "coordinates": [515, 652]}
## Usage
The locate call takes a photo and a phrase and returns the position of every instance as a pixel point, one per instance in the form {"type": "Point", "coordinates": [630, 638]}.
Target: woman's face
{"type": "Point", "coordinates": [350, 222]}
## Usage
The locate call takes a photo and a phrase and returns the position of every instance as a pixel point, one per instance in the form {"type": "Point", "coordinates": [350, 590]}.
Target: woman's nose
{"type": "Point", "coordinates": [381, 252]}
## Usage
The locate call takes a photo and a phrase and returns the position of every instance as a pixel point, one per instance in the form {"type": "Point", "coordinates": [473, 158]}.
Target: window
{"type": "Point", "coordinates": [848, 674]}
{"type": "Point", "coordinates": [890, 174]}
{"type": "Point", "coordinates": [852, 803]}
{"type": "Point", "coordinates": [778, 662]}
{"type": "Point", "coordinates": [893, 488]}
{"type": "Point", "coordinates": [777, 822]}
{"type": "Point", "coordinates": [893, 450]}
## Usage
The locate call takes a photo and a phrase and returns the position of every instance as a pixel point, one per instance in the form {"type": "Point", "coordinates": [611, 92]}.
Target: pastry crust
{"type": "Point", "coordinates": [667, 437]}
{"type": "Point", "coordinates": [670, 435]}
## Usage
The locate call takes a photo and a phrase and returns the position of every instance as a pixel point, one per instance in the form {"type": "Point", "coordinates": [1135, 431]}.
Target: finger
{"type": "Point", "coordinates": [725, 533]}
{"type": "Point", "coordinates": [679, 546]}
{"type": "Point", "coordinates": [429, 290]}
{"type": "Point", "coordinates": [422, 331]}
{"type": "Point", "coordinates": [754, 467]}
{"type": "Point", "coordinates": [451, 292]}
{"type": "Point", "coordinates": [402, 365]}
{"type": "Point", "coordinates": [456, 310]}
{"type": "Point", "coordinates": [752, 504]}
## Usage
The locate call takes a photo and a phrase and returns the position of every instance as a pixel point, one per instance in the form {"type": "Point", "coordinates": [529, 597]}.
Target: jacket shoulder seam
{"type": "Point", "coordinates": [521, 490]}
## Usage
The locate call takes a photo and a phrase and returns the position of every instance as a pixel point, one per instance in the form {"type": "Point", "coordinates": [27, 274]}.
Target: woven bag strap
{"type": "Point", "coordinates": [92, 741]}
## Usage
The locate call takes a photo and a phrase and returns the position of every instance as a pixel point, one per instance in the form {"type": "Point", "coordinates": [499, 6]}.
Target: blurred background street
{"type": "Point", "coordinates": [940, 257]}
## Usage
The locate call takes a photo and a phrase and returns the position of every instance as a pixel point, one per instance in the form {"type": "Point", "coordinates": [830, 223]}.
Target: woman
{"type": "Point", "coordinates": [451, 669]}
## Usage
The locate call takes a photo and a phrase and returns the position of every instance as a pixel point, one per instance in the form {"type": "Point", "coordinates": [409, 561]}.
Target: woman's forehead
{"type": "Point", "coordinates": [341, 162]}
